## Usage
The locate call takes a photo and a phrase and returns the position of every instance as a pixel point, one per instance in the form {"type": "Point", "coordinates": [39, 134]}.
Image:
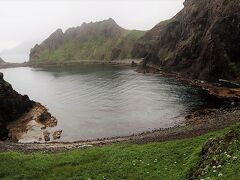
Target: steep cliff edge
{"type": "Point", "coordinates": [17, 111]}
{"type": "Point", "coordinates": [201, 41]}
{"type": "Point", "coordinates": [103, 40]}
{"type": "Point", "coordinates": [12, 105]}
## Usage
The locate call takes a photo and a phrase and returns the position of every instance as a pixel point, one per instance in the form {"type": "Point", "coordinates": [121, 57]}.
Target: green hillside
{"type": "Point", "coordinates": [103, 40]}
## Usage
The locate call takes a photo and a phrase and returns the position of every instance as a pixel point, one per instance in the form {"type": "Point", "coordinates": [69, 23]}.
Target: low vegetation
{"type": "Point", "coordinates": [103, 40]}
{"type": "Point", "coordinates": [178, 159]}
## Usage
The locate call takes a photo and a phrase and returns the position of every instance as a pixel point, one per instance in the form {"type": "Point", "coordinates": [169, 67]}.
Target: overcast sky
{"type": "Point", "coordinates": [34, 20]}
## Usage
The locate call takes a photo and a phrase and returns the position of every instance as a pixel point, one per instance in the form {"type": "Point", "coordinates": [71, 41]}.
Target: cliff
{"type": "Point", "coordinates": [202, 41]}
{"type": "Point", "coordinates": [12, 106]}
{"type": "Point", "coordinates": [19, 115]}
{"type": "Point", "coordinates": [103, 40]}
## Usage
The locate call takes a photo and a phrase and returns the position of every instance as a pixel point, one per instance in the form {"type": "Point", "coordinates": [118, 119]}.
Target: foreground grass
{"type": "Point", "coordinates": [167, 160]}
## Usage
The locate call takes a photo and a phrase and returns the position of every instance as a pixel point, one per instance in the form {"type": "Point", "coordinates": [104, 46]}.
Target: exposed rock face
{"type": "Point", "coordinates": [2, 61]}
{"type": "Point", "coordinates": [51, 44]}
{"type": "Point", "coordinates": [103, 40]}
{"type": "Point", "coordinates": [201, 41]}
{"type": "Point", "coordinates": [12, 105]}
{"type": "Point", "coordinates": [18, 114]}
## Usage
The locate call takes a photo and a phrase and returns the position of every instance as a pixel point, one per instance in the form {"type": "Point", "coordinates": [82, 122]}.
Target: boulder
{"type": "Point", "coordinates": [46, 136]}
{"type": "Point", "coordinates": [57, 135]}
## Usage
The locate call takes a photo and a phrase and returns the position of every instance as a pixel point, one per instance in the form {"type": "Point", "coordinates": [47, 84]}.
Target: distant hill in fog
{"type": "Point", "coordinates": [19, 53]}
{"type": "Point", "coordinates": [1, 61]}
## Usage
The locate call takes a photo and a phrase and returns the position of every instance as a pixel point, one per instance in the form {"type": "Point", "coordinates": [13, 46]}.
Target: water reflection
{"type": "Point", "coordinates": [94, 101]}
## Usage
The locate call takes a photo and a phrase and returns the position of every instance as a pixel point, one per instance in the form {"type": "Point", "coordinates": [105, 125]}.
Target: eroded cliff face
{"type": "Point", "coordinates": [201, 41]}
{"type": "Point", "coordinates": [12, 106]}
{"type": "Point", "coordinates": [103, 40]}
{"type": "Point", "coordinates": [19, 116]}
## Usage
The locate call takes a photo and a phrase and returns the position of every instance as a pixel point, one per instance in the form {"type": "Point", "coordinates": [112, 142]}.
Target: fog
{"type": "Point", "coordinates": [27, 22]}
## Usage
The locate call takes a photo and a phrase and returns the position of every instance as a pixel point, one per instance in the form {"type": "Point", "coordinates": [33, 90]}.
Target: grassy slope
{"type": "Point", "coordinates": [94, 49]}
{"type": "Point", "coordinates": [167, 160]}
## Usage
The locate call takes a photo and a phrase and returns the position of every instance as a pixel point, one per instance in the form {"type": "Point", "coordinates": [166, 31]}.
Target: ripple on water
{"type": "Point", "coordinates": [102, 101]}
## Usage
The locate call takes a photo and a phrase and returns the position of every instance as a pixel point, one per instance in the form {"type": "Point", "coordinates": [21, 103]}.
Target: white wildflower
{"type": "Point", "coordinates": [214, 167]}
{"type": "Point", "coordinates": [220, 174]}
{"type": "Point", "coordinates": [234, 157]}
{"type": "Point", "coordinates": [219, 166]}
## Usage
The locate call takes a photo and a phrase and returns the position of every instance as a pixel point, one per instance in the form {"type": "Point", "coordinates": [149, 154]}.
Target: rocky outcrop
{"type": "Point", "coordinates": [18, 114]}
{"type": "Point", "coordinates": [201, 41]}
{"type": "Point", "coordinates": [103, 40]}
{"type": "Point", "coordinates": [12, 106]}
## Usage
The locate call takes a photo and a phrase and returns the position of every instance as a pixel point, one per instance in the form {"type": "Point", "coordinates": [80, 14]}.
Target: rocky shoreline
{"type": "Point", "coordinates": [20, 116]}
{"type": "Point", "coordinates": [216, 89]}
{"type": "Point", "coordinates": [13, 65]}
{"type": "Point", "coordinates": [195, 124]}
{"type": "Point", "coordinates": [127, 62]}
{"type": "Point", "coordinates": [32, 125]}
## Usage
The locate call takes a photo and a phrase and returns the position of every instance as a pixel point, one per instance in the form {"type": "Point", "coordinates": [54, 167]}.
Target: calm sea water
{"type": "Point", "coordinates": [96, 101]}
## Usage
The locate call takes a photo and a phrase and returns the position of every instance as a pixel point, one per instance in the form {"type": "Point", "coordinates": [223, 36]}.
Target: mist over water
{"type": "Point", "coordinates": [96, 101]}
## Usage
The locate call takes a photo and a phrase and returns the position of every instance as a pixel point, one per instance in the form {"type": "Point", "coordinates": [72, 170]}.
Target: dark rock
{"type": "Point", "coordinates": [46, 136]}
{"type": "Point", "coordinates": [229, 84]}
{"type": "Point", "coordinates": [12, 105]}
{"type": "Point", "coordinates": [133, 64]}
{"type": "Point", "coordinates": [1, 76]}
{"type": "Point", "coordinates": [3, 133]}
{"type": "Point", "coordinates": [57, 135]}
{"type": "Point", "coordinates": [201, 41]}
{"type": "Point", "coordinates": [44, 117]}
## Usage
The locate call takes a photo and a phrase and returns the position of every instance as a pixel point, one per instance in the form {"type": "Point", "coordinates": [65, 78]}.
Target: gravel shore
{"type": "Point", "coordinates": [197, 123]}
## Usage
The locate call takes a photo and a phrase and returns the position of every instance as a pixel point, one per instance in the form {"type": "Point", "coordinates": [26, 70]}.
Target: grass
{"type": "Point", "coordinates": [163, 160]}
{"type": "Point", "coordinates": [223, 159]}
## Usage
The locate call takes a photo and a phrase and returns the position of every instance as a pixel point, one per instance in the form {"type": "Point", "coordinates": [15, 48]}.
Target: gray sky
{"type": "Point", "coordinates": [31, 21]}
